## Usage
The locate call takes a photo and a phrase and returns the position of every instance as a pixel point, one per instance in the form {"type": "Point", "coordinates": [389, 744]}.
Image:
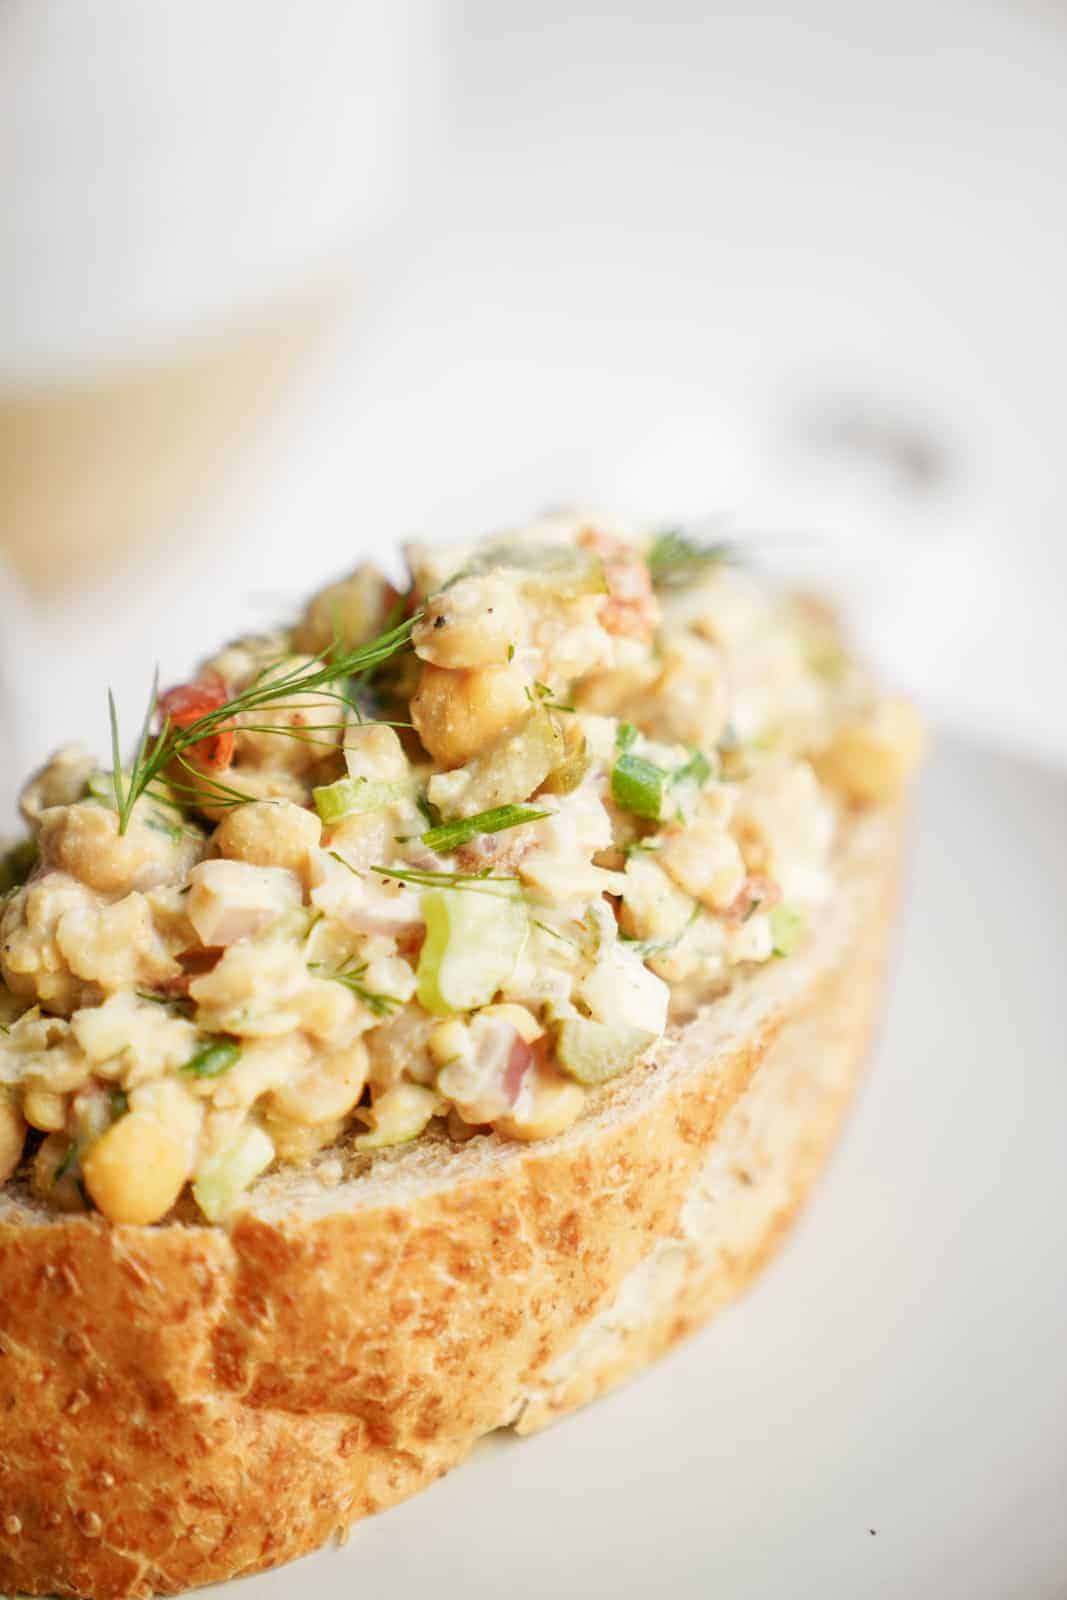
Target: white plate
{"type": "Point", "coordinates": [886, 1413]}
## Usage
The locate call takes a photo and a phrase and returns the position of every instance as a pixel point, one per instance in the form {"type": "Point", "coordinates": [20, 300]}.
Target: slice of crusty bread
{"type": "Point", "coordinates": [181, 1404]}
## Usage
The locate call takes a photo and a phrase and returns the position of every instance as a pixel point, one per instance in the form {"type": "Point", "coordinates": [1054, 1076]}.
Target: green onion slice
{"type": "Point", "coordinates": [213, 1058]}
{"type": "Point", "coordinates": [639, 786]}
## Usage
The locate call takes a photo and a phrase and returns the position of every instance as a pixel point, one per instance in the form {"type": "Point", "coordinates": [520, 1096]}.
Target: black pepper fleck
{"type": "Point", "coordinates": [438, 622]}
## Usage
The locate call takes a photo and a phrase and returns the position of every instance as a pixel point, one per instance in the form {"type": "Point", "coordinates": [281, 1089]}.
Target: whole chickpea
{"type": "Point", "coordinates": [458, 714]}
{"type": "Point", "coordinates": [269, 833]}
{"type": "Point", "coordinates": [136, 1171]}
{"type": "Point", "coordinates": [83, 840]}
{"type": "Point", "coordinates": [474, 623]}
{"type": "Point", "coordinates": [347, 612]}
{"type": "Point", "coordinates": [556, 1102]}
{"type": "Point", "coordinates": [325, 1090]}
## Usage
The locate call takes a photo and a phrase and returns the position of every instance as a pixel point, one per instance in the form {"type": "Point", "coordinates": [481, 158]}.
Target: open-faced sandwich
{"type": "Point", "coordinates": [441, 1012]}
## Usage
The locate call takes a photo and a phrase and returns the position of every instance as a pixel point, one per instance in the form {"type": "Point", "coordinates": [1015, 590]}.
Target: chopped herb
{"type": "Point", "coordinates": [639, 786]}
{"type": "Point", "coordinates": [675, 560]}
{"type": "Point", "coordinates": [555, 933]}
{"type": "Point", "coordinates": [178, 1002]}
{"type": "Point", "coordinates": [625, 734]}
{"type": "Point", "coordinates": [350, 976]}
{"type": "Point", "coordinates": [486, 880]}
{"type": "Point", "coordinates": [697, 769]}
{"type": "Point", "coordinates": [429, 810]}
{"type": "Point", "coordinates": [170, 744]}
{"type": "Point", "coordinates": [67, 1164]}
{"type": "Point", "coordinates": [642, 847]}
{"type": "Point", "coordinates": [119, 1102]}
{"type": "Point", "coordinates": [544, 694]}
{"type": "Point", "coordinates": [511, 652]}
{"type": "Point", "coordinates": [659, 947]}
{"type": "Point", "coordinates": [450, 836]}
{"type": "Point", "coordinates": [213, 1058]}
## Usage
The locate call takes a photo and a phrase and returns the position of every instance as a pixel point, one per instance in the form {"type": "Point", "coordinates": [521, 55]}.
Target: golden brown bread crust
{"type": "Point", "coordinates": [182, 1405]}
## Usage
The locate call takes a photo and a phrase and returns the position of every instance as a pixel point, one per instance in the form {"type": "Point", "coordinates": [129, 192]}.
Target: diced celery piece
{"type": "Point", "coordinates": [400, 1115]}
{"type": "Point", "coordinates": [221, 1182]}
{"type": "Point", "coordinates": [592, 1052]}
{"type": "Point", "coordinates": [787, 929]}
{"type": "Point", "coordinates": [474, 938]}
{"type": "Point", "coordinates": [353, 797]}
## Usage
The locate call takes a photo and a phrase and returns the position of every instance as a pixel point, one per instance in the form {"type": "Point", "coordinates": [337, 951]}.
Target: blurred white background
{"type": "Point", "coordinates": [797, 269]}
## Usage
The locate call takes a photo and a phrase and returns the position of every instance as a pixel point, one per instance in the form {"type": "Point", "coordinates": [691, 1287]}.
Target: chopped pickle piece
{"type": "Point", "coordinates": [576, 762]}
{"type": "Point", "coordinates": [508, 772]}
{"type": "Point", "coordinates": [474, 938]}
{"type": "Point", "coordinates": [558, 571]}
{"type": "Point", "coordinates": [592, 1052]}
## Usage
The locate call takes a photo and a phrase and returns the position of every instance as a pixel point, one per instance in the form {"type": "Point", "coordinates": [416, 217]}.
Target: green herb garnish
{"type": "Point", "coordinates": [625, 734]}
{"type": "Point", "coordinates": [639, 786]}
{"type": "Point", "coordinates": [697, 769]}
{"type": "Point", "coordinates": [351, 976]}
{"type": "Point", "coordinates": [180, 1003]}
{"type": "Point", "coordinates": [213, 1058]}
{"type": "Point", "coordinates": [658, 947]}
{"type": "Point", "coordinates": [171, 743]}
{"type": "Point", "coordinates": [119, 1103]}
{"type": "Point", "coordinates": [545, 696]}
{"type": "Point", "coordinates": [451, 835]}
{"type": "Point", "coordinates": [68, 1163]}
{"type": "Point", "coordinates": [486, 880]}
{"type": "Point", "coordinates": [675, 560]}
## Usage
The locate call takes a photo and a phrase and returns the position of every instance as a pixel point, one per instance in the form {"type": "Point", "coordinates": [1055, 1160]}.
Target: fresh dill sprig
{"type": "Point", "coordinates": [449, 836]}
{"type": "Point", "coordinates": [675, 560]}
{"type": "Point", "coordinates": [659, 947]}
{"type": "Point", "coordinates": [486, 880]}
{"type": "Point", "coordinates": [545, 696]}
{"type": "Point", "coordinates": [170, 744]}
{"type": "Point", "coordinates": [182, 1004]}
{"type": "Point", "coordinates": [546, 927]}
{"type": "Point", "coordinates": [351, 976]}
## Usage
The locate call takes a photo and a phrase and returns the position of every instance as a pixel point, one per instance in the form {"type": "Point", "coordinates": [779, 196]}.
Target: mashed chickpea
{"type": "Point", "coordinates": [361, 888]}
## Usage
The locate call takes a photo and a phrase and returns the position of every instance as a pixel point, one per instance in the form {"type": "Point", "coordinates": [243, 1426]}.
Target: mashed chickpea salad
{"type": "Point", "coordinates": [433, 863]}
